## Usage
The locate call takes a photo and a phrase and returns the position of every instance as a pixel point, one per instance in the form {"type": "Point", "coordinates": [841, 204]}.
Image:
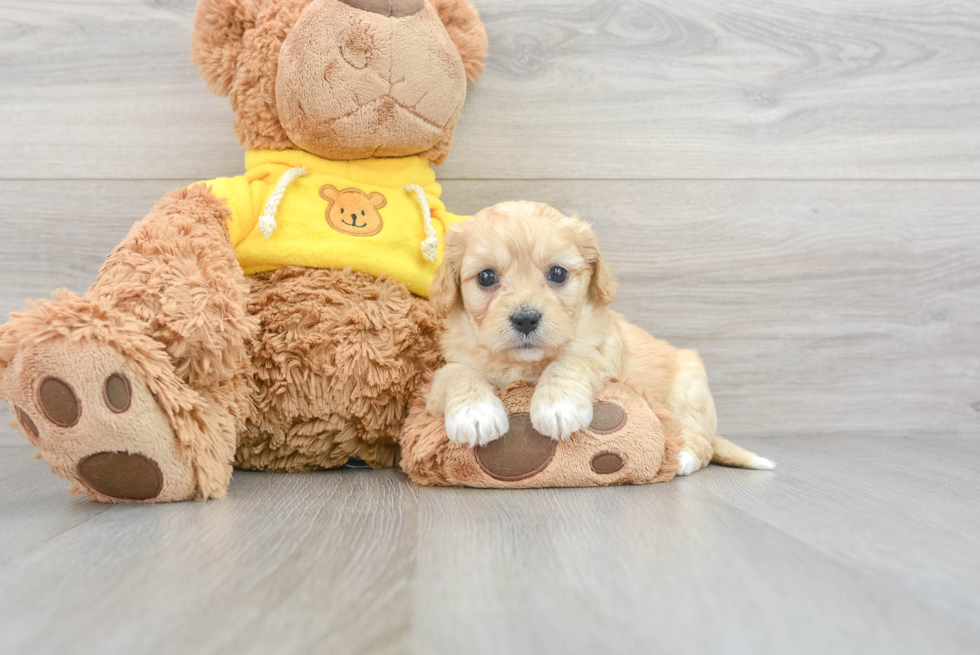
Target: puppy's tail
{"type": "Point", "coordinates": [729, 454]}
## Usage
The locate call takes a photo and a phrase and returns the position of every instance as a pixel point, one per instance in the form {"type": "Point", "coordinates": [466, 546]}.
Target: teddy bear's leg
{"type": "Point", "coordinates": [135, 392]}
{"type": "Point", "coordinates": [338, 358]}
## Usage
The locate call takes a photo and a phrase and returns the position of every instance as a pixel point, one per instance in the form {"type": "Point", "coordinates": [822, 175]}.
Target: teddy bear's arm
{"type": "Point", "coordinates": [177, 270]}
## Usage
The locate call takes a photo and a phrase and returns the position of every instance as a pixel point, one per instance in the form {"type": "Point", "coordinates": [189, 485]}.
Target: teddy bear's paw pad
{"type": "Point", "coordinates": [117, 393]}
{"type": "Point", "coordinates": [27, 422]}
{"type": "Point", "coordinates": [125, 476]}
{"type": "Point", "coordinates": [607, 417]}
{"type": "Point", "coordinates": [519, 454]}
{"type": "Point", "coordinates": [94, 420]}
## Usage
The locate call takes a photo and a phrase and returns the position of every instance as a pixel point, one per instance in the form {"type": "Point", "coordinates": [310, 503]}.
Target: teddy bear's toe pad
{"type": "Point", "coordinates": [58, 402]}
{"type": "Point", "coordinates": [605, 463]}
{"type": "Point", "coordinates": [607, 417]}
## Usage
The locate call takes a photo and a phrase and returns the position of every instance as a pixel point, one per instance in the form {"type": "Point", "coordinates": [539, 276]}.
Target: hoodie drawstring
{"type": "Point", "coordinates": [267, 221]}
{"type": "Point", "coordinates": [430, 246]}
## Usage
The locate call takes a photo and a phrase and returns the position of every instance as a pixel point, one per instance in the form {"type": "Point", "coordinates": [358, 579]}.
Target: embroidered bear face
{"type": "Point", "coordinates": [352, 211]}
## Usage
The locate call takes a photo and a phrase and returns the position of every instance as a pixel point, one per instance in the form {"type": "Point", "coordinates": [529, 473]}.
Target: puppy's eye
{"type": "Point", "coordinates": [557, 274]}
{"type": "Point", "coordinates": [487, 278]}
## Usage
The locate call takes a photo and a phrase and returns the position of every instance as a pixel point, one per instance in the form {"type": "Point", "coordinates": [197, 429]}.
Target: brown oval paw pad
{"type": "Point", "coordinates": [117, 393]}
{"type": "Point", "coordinates": [122, 475]}
{"type": "Point", "coordinates": [519, 454]}
{"type": "Point", "coordinates": [27, 422]}
{"type": "Point", "coordinates": [607, 417]}
{"type": "Point", "coordinates": [59, 403]}
{"type": "Point", "coordinates": [607, 462]}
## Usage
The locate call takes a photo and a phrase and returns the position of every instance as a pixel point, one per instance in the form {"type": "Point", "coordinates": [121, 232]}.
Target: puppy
{"type": "Point", "coordinates": [526, 294]}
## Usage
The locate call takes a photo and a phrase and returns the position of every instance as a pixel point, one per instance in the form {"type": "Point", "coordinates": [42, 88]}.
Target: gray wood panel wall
{"type": "Point", "coordinates": [792, 188]}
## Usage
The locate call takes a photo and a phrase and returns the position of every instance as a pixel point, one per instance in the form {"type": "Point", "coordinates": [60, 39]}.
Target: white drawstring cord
{"type": "Point", "coordinates": [267, 221]}
{"type": "Point", "coordinates": [430, 246]}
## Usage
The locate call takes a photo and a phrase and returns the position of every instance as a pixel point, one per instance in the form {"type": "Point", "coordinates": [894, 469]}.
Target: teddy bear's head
{"type": "Point", "coordinates": [342, 79]}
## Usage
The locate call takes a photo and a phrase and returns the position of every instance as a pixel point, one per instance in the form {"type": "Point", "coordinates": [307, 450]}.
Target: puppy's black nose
{"type": "Point", "coordinates": [525, 321]}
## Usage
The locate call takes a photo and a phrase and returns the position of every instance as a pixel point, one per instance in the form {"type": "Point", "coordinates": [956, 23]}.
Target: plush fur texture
{"type": "Point", "coordinates": [575, 346]}
{"type": "Point", "coordinates": [338, 356]}
{"type": "Point", "coordinates": [645, 447]}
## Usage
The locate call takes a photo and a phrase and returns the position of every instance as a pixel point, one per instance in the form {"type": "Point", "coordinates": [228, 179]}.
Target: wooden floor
{"type": "Point", "coordinates": [792, 188]}
{"type": "Point", "coordinates": [853, 545]}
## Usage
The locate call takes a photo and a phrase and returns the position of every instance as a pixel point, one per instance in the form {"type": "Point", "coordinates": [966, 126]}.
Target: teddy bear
{"type": "Point", "coordinates": [277, 320]}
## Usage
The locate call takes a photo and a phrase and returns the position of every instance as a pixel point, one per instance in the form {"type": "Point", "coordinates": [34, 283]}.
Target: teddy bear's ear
{"type": "Point", "coordinates": [465, 29]}
{"type": "Point", "coordinates": [216, 45]}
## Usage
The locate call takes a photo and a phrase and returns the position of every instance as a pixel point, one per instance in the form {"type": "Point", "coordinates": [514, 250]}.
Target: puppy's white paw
{"type": "Point", "coordinates": [561, 417]}
{"type": "Point", "coordinates": [477, 424]}
{"type": "Point", "coordinates": [687, 461]}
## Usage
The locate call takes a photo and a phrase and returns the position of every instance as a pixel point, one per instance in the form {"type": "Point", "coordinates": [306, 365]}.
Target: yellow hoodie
{"type": "Point", "coordinates": [291, 208]}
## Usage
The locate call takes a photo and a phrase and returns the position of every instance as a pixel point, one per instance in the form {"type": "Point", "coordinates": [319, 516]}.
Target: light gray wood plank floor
{"type": "Point", "coordinates": [792, 188]}
{"type": "Point", "coordinates": [854, 545]}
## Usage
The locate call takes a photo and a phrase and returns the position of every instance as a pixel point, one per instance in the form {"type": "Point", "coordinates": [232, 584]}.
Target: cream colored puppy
{"type": "Point", "coordinates": [526, 295]}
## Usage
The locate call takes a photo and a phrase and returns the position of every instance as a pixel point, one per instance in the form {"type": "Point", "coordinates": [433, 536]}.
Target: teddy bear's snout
{"type": "Point", "coordinates": [389, 8]}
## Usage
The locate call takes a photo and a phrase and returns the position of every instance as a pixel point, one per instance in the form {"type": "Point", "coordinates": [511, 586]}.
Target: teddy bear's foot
{"type": "Point", "coordinates": [91, 415]}
{"type": "Point", "coordinates": [626, 442]}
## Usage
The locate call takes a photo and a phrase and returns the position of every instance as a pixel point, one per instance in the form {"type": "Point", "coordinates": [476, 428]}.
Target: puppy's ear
{"type": "Point", "coordinates": [445, 292]}
{"type": "Point", "coordinates": [467, 32]}
{"type": "Point", "coordinates": [602, 288]}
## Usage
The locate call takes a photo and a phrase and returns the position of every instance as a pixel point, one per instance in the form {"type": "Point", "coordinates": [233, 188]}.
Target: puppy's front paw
{"type": "Point", "coordinates": [477, 424]}
{"type": "Point", "coordinates": [559, 416]}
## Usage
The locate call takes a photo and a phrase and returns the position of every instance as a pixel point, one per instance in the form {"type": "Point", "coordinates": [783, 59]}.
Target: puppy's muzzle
{"type": "Point", "coordinates": [526, 321]}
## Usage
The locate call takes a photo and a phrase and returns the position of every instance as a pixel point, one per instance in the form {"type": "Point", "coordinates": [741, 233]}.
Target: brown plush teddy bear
{"type": "Point", "coordinates": [277, 320]}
